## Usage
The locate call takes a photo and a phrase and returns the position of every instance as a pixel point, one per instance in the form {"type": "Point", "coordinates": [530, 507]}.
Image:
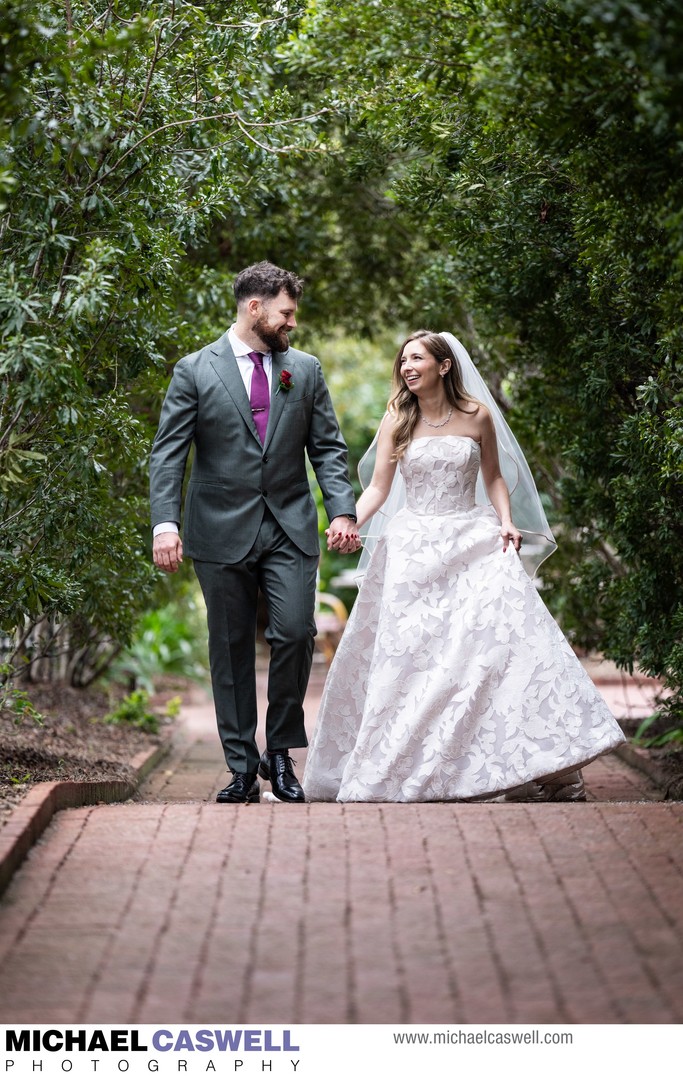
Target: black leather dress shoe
{"type": "Point", "coordinates": [244, 788]}
{"type": "Point", "coordinates": [278, 768]}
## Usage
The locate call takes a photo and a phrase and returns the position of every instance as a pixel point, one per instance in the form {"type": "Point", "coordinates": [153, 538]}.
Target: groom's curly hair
{"type": "Point", "coordinates": [264, 281]}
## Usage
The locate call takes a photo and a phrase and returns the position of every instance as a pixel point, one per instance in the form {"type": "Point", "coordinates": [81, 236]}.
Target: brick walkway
{"type": "Point", "coordinates": [175, 908]}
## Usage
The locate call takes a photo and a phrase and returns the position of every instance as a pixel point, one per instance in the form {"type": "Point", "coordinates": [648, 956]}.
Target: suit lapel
{"type": "Point", "coordinates": [227, 370]}
{"type": "Point", "coordinates": [281, 361]}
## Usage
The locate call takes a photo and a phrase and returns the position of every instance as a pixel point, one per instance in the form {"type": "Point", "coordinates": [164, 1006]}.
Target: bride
{"type": "Point", "coordinates": [452, 681]}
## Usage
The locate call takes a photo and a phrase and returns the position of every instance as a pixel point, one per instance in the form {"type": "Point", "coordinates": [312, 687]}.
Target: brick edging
{"type": "Point", "coordinates": [640, 759]}
{"type": "Point", "coordinates": [32, 816]}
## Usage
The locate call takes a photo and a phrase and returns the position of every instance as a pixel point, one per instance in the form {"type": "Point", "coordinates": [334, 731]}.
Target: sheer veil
{"type": "Point", "coordinates": [527, 510]}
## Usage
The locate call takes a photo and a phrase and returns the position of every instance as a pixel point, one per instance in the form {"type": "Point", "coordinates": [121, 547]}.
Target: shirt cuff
{"type": "Point", "coordinates": [165, 528]}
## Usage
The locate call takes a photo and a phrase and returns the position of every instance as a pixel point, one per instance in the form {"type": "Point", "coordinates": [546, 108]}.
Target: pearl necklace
{"type": "Point", "coordinates": [437, 425]}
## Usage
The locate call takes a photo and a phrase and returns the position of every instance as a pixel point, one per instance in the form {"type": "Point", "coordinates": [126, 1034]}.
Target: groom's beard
{"type": "Point", "coordinates": [274, 339]}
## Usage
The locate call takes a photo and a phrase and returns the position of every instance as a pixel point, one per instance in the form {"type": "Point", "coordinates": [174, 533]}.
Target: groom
{"type": "Point", "coordinates": [253, 408]}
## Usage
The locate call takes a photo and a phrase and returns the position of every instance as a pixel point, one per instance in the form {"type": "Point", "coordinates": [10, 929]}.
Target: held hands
{"type": "Point", "coordinates": [510, 535]}
{"type": "Point", "coordinates": [342, 535]}
{"type": "Point", "coordinates": [168, 551]}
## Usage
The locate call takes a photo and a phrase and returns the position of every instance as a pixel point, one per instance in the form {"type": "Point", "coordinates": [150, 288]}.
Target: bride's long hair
{"type": "Point", "coordinates": [404, 406]}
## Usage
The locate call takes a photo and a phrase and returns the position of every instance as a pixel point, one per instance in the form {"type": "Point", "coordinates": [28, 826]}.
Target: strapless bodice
{"type": "Point", "coordinates": [440, 474]}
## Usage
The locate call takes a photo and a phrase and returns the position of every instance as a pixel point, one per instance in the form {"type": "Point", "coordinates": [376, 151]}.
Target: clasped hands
{"type": "Point", "coordinates": [342, 535]}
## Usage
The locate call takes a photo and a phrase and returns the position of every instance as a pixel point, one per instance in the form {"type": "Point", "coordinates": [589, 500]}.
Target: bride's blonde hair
{"type": "Point", "coordinates": [404, 405]}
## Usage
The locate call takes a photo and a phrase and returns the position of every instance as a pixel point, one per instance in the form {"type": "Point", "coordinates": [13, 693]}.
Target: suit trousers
{"type": "Point", "coordinates": [287, 579]}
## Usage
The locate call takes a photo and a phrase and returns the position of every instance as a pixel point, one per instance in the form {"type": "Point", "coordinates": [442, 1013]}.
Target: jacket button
{"type": "Point", "coordinates": [265, 459]}
{"type": "Point", "coordinates": [264, 492]}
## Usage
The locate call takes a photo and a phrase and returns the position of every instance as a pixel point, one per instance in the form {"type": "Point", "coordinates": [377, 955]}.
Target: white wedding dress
{"type": "Point", "coordinates": [452, 681]}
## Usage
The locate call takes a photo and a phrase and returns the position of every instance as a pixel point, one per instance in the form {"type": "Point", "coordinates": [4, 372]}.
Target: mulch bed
{"type": "Point", "coordinates": [70, 743]}
{"type": "Point", "coordinates": [670, 763]}
{"type": "Point", "coordinates": [667, 760]}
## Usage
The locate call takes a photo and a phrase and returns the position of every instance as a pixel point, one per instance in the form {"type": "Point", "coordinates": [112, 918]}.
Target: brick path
{"type": "Point", "coordinates": [178, 909]}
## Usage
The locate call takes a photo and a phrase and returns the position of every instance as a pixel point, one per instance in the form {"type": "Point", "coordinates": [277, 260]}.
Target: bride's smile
{"type": "Point", "coordinates": [421, 371]}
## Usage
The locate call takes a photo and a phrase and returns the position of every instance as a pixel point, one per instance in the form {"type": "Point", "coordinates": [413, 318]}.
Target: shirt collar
{"type": "Point", "coordinates": [240, 349]}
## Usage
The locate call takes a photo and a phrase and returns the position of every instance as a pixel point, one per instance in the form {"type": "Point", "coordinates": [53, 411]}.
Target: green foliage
{"type": "Point", "coordinates": [173, 706]}
{"type": "Point", "coordinates": [125, 132]}
{"type": "Point", "coordinates": [134, 710]}
{"type": "Point", "coordinates": [17, 702]}
{"type": "Point", "coordinates": [358, 375]}
{"type": "Point", "coordinates": [534, 153]}
{"type": "Point", "coordinates": [169, 641]}
{"type": "Point", "coordinates": [510, 170]}
{"type": "Point", "coordinates": [670, 738]}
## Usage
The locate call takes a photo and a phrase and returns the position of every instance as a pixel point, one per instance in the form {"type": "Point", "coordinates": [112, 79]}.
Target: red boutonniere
{"type": "Point", "coordinates": [285, 382]}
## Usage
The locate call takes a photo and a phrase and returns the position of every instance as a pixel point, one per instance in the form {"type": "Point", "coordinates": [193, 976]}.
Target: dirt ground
{"type": "Point", "coordinates": [70, 741]}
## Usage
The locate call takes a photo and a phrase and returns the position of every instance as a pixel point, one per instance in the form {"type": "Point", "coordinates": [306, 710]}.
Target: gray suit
{"type": "Point", "coordinates": [250, 523]}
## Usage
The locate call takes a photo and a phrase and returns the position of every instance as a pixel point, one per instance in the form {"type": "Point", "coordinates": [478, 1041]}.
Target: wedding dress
{"type": "Point", "coordinates": [452, 681]}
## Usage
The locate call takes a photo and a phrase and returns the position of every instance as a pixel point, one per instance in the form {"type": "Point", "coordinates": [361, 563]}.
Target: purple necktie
{"type": "Point", "coordinates": [259, 397]}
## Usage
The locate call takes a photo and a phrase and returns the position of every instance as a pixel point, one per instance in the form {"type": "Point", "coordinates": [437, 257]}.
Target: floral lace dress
{"type": "Point", "coordinates": [452, 681]}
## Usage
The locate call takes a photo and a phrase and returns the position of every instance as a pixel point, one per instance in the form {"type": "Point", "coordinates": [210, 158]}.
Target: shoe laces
{"type": "Point", "coordinates": [284, 762]}
{"type": "Point", "coordinates": [244, 780]}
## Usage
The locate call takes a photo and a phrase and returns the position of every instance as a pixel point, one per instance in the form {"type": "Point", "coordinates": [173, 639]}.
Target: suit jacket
{"type": "Point", "coordinates": [233, 475]}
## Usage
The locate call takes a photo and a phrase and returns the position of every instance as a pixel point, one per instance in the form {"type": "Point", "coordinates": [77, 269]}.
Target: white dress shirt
{"type": "Point", "coordinates": [246, 369]}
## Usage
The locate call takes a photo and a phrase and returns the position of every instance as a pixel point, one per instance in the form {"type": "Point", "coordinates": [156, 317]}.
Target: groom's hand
{"type": "Point", "coordinates": [168, 551]}
{"type": "Point", "coordinates": [342, 535]}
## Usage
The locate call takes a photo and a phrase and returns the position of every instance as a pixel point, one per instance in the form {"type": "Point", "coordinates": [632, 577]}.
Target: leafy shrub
{"type": "Point", "coordinates": [170, 641]}
{"type": "Point", "coordinates": [134, 710]}
{"type": "Point", "coordinates": [113, 164]}
{"type": "Point", "coordinates": [15, 701]}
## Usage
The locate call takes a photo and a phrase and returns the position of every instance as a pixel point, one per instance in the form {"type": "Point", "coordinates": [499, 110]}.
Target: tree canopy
{"type": "Point", "coordinates": [535, 151]}
{"type": "Point", "coordinates": [128, 129]}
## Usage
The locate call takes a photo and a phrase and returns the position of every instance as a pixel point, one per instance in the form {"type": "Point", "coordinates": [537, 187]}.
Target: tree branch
{"type": "Point", "coordinates": [4, 439]}
{"type": "Point", "coordinates": [262, 145]}
{"type": "Point", "coordinates": [66, 265]}
{"type": "Point", "coordinates": [250, 25]}
{"type": "Point", "coordinates": [150, 74]}
{"type": "Point", "coordinates": [435, 60]}
{"type": "Point", "coordinates": [242, 123]}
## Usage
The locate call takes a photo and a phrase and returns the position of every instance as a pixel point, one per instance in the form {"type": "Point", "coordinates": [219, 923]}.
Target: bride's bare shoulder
{"type": "Point", "coordinates": [481, 419]}
{"type": "Point", "coordinates": [389, 423]}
